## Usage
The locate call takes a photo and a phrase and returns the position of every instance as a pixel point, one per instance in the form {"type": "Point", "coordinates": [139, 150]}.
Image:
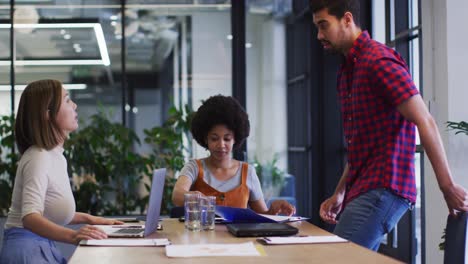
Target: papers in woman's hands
{"type": "Point", "coordinates": [212, 250]}
{"type": "Point", "coordinates": [246, 215]}
{"type": "Point", "coordinates": [301, 240]}
{"type": "Point", "coordinates": [284, 219]}
{"type": "Point", "coordinates": [126, 242]}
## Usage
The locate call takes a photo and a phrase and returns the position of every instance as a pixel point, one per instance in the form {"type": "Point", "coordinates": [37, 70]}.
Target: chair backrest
{"type": "Point", "coordinates": [455, 239]}
{"type": "Point", "coordinates": [289, 188]}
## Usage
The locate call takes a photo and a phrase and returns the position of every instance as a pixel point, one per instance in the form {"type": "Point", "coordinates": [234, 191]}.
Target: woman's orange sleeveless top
{"type": "Point", "coordinates": [237, 197]}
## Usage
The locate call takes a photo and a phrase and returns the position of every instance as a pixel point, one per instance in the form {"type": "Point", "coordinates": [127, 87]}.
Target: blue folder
{"type": "Point", "coordinates": [241, 215]}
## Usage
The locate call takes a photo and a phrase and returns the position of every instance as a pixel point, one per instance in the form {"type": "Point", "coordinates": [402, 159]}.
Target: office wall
{"type": "Point", "coordinates": [444, 80]}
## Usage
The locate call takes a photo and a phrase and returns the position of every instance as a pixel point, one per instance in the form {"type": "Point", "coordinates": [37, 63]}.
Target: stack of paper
{"type": "Point", "coordinates": [301, 240]}
{"type": "Point", "coordinates": [211, 250]}
{"type": "Point", "coordinates": [126, 242]}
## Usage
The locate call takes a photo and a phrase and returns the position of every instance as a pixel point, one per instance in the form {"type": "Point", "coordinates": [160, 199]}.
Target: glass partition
{"type": "Point", "coordinates": [266, 88]}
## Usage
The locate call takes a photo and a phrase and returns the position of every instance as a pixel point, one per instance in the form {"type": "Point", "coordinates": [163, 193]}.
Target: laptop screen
{"type": "Point", "coordinates": [155, 200]}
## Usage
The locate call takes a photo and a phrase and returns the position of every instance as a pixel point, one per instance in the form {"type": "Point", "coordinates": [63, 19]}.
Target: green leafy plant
{"type": "Point", "coordinates": [8, 162]}
{"type": "Point", "coordinates": [270, 175]}
{"type": "Point", "coordinates": [101, 155]}
{"type": "Point", "coordinates": [442, 244]}
{"type": "Point", "coordinates": [168, 146]}
{"type": "Point", "coordinates": [459, 127]}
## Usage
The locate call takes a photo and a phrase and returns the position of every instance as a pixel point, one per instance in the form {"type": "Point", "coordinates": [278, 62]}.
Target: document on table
{"type": "Point", "coordinates": [246, 215]}
{"type": "Point", "coordinates": [126, 242]}
{"type": "Point", "coordinates": [284, 219]}
{"type": "Point", "coordinates": [212, 250]}
{"type": "Point", "coordinates": [301, 240]}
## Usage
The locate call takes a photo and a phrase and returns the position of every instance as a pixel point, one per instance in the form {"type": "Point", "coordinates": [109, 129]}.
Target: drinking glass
{"type": "Point", "coordinates": [207, 206]}
{"type": "Point", "coordinates": [192, 211]}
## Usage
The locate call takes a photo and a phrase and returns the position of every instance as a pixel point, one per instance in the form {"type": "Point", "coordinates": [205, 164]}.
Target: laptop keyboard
{"type": "Point", "coordinates": [129, 231]}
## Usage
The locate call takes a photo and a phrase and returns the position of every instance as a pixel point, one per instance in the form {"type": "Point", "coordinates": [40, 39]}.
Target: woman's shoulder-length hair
{"type": "Point", "coordinates": [37, 114]}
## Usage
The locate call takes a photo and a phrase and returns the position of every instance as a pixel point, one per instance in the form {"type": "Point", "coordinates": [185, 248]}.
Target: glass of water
{"type": "Point", "coordinates": [192, 211]}
{"type": "Point", "coordinates": [207, 206]}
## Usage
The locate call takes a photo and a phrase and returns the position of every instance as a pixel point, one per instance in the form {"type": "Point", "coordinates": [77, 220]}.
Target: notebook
{"type": "Point", "coordinates": [261, 229]}
{"type": "Point", "coordinates": [152, 217]}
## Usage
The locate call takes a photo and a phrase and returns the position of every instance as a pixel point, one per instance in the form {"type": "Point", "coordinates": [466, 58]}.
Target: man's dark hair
{"type": "Point", "coordinates": [220, 110]}
{"type": "Point", "coordinates": [338, 8]}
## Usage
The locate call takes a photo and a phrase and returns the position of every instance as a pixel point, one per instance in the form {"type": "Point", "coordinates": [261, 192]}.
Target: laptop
{"type": "Point", "coordinates": [152, 217]}
{"type": "Point", "coordinates": [261, 229]}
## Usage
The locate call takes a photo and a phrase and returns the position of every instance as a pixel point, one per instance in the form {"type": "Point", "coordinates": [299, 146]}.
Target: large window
{"type": "Point", "coordinates": [133, 62]}
{"type": "Point", "coordinates": [176, 52]}
{"type": "Point", "coordinates": [266, 82]}
{"type": "Point", "coordinates": [5, 87]}
{"type": "Point", "coordinates": [136, 61]}
{"type": "Point", "coordinates": [397, 24]}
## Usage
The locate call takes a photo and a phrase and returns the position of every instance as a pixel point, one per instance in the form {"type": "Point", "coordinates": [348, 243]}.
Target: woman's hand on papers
{"type": "Point", "coordinates": [281, 207]}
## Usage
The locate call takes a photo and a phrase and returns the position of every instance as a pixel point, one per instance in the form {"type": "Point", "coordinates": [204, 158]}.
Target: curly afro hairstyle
{"type": "Point", "coordinates": [220, 110]}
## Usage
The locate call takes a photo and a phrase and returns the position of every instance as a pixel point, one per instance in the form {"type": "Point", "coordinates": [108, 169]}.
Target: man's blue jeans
{"type": "Point", "coordinates": [368, 217]}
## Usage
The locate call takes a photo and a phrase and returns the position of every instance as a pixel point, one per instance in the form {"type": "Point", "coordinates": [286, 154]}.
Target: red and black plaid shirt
{"type": "Point", "coordinates": [372, 81]}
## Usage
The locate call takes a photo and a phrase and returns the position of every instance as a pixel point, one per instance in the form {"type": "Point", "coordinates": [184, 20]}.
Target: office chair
{"type": "Point", "coordinates": [287, 193]}
{"type": "Point", "coordinates": [455, 239]}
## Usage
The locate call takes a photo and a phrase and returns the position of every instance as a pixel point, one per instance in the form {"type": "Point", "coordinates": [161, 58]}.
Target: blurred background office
{"type": "Point", "coordinates": [142, 66]}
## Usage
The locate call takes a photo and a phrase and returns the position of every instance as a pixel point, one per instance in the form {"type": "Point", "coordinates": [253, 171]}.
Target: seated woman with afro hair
{"type": "Point", "coordinates": [221, 125]}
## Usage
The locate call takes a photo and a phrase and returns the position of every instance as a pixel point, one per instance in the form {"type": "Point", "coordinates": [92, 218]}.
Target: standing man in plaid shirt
{"type": "Point", "coordinates": [380, 107]}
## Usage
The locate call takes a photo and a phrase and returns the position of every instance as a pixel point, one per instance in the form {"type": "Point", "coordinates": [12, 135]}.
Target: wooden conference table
{"type": "Point", "coordinates": [174, 230]}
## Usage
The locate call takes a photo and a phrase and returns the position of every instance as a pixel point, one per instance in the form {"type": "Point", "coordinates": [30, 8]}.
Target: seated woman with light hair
{"type": "Point", "coordinates": [42, 201]}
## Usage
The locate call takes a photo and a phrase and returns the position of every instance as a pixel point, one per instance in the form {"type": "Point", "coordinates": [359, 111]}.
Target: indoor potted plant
{"type": "Point", "coordinates": [8, 162]}
{"type": "Point", "coordinates": [169, 150]}
{"type": "Point", "coordinates": [271, 177]}
{"type": "Point", "coordinates": [101, 155]}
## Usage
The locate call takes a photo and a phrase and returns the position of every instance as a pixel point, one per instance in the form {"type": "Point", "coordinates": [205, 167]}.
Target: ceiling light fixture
{"type": "Point", "coordinates": [99, 37]}
{"type": "Point", "coordinates": [20, 87]}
